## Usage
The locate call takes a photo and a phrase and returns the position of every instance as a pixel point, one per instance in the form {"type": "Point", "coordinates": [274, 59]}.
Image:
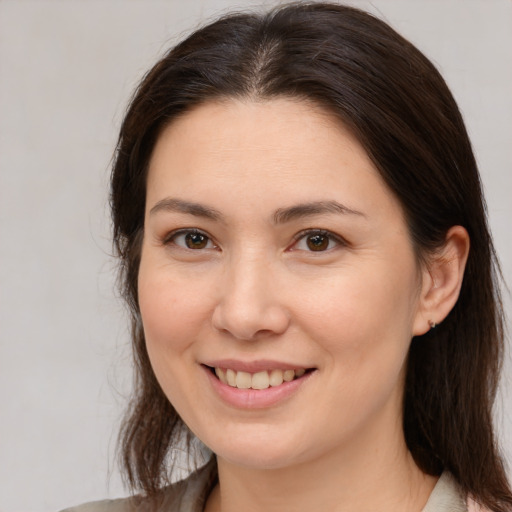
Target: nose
{"type": "Point", "coordinates": [249, 305]}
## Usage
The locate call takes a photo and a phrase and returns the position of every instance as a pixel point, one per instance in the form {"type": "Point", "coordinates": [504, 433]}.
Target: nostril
{"type": "Point", "coordinates": [250, 316]}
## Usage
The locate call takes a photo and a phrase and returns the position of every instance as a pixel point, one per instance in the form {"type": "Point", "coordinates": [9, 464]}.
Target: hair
{"type": "Point", "coordinates": [398, 106]}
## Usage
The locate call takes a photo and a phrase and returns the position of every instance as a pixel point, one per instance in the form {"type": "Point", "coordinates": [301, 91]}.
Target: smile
{"type": "Point", "coordinates": [259, 380]}
{"type": "Point", "coordinates": [257, 384]}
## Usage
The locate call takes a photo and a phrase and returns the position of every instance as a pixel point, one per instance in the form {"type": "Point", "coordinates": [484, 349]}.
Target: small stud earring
{"type": "Point", "coordinates": [432, 324]}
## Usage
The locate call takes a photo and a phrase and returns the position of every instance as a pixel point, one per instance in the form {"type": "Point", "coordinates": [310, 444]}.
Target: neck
{"type": "Point", "coordinates": [355, 479]}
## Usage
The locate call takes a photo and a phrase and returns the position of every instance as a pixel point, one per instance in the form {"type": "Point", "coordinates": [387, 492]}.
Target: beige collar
{"type": "Point", "coordinates": [446, 496]}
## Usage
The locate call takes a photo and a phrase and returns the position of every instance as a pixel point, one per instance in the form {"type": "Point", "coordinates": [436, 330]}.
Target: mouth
{"type": "Point", "coordinates": [259, 380]}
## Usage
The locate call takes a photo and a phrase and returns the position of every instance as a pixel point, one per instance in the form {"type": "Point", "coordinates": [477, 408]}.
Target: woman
{"type": "Point", "coordinates": [312, 282]}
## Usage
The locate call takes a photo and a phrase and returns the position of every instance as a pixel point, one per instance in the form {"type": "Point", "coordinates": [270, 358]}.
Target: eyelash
{"type": "Point", "coordinates": [339, 241]}
{"type": "Point", "coordinates": [171, 239]}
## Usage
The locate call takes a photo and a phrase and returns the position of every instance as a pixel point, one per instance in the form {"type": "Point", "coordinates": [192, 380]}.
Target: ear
{"type": "Point", "coordinates": [442, 280]}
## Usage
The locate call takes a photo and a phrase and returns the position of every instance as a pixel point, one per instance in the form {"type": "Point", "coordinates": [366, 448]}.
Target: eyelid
{"type": "Point", "coordinates": [319, 231]}
{"type": "Point", "coordinates": [339, 240]}
{"type": "Point", "coordinates": [169, 237]}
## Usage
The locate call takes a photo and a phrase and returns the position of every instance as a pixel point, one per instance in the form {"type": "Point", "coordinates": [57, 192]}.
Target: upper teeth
{"type": "Point", "coordinates": [259, 380]}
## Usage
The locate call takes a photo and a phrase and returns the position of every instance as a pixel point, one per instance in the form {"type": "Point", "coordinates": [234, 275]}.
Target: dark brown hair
{"type": "Point", "coordinates": [398, 106]}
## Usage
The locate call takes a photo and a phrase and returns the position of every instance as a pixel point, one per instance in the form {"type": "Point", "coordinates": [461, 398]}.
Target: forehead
{"type": "Point", "coordinates": [286, 149]}
{"type": "Point", "coordinates": [277, 132]}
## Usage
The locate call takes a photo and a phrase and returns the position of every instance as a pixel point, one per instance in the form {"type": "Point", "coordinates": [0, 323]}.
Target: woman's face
{"type": "Point", "coordinates": [274, 251]}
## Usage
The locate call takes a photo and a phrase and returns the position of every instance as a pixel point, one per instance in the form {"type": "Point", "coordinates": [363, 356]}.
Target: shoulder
{"type": "Point", "coordinates": [186, 495]}
{"type": "Point", "coordinates": [120, 505]}
{"type": "Point", "coordinates": [473, 506]}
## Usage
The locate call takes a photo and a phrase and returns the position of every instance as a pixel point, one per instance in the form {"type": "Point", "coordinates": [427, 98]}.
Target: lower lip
{"type": "Point", "coordinates": [256, 398]}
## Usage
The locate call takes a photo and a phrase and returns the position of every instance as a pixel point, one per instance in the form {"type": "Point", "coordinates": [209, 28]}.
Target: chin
{"type": "Point", "coordinates": [265, 460]}
{"type": "Point", "coordinates": [258, 451]}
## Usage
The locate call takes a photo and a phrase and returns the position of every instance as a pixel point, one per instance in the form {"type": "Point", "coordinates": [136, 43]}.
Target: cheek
{"type": "Point", "coordinates": [172, 317]}
{"type": "Point", "coordinates": [359, 302]}
{"type": "Point", "coordinates": [364, 320]}
{"type": "Point", "coordinates": [172, 308]}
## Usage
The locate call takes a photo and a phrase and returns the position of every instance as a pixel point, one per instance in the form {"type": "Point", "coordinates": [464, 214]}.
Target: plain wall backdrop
{"type": "Point", "coordinates": [67, 69]}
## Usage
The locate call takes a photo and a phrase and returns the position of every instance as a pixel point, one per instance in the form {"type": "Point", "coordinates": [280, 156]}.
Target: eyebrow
{"type": "Point", "coordinates": [280, 216]}
{"type": "Point", "coordinates": [180, 206]}
{"type": "Point", "coordinates": [283, 215]}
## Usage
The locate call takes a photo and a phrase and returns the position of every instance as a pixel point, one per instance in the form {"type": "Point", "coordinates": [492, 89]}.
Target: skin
{"type": "Point", "coordinates": [256, 291]}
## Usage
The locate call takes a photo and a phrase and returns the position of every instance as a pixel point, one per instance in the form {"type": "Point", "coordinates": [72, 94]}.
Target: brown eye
{"type": "Point", "coordinates": [191, 239]}
{"type": "Point", "coordinates": [317, 242]}
{"type": "Point", "coordinates": [196, 240]}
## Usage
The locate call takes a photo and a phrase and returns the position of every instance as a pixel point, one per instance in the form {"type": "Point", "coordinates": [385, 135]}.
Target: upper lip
{"type": "Point", "coordinates": [253, 366]}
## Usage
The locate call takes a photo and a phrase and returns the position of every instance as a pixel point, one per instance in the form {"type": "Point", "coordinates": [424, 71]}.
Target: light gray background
{"type": "Point", "coordinates": [67, 69]}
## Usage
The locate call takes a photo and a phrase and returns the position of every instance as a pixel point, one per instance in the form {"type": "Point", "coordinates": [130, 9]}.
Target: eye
{"type": "Point", "coordinates": [317, 241]}
{"type": "Point", "coordinates": [190, 239]}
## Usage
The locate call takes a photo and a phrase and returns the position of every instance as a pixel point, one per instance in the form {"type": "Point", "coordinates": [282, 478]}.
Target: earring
{"type": "Point", "coordinates": [432, 324]}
